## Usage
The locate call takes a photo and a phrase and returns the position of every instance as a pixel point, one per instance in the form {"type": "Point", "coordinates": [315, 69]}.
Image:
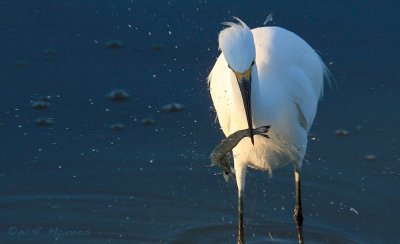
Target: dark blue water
{"type": "Point", "coordinates": [78, 181]}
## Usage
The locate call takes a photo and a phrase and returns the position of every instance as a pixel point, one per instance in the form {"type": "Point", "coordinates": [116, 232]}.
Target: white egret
{"type": "Point", "coordinates": [266, 76]}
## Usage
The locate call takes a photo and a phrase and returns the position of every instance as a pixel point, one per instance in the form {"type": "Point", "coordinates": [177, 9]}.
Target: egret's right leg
{"type": "Point", "coordinates": [240, 181]}
{"type": "Point", "coordinates": [240, 227]}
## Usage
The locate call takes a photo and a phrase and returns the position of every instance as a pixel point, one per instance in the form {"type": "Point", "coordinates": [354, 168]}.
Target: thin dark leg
{"type": "Point", "coordinates": [240, 227]}
{"type": "Point", "coordinates": [298, 214]}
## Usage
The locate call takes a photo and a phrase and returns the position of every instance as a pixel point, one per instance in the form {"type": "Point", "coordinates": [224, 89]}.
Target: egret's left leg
{"type": "Point", "coordinates": [298, 214]}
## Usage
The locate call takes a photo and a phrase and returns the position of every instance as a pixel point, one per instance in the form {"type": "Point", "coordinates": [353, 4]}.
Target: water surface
{"type": "Point", "coordinates": [78, 181]}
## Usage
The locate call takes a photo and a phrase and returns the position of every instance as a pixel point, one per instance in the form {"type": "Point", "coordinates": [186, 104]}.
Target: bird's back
{"type": "Point", "coordinates": [285, 94]}
{"type": "Point", "coordinates": [280, 49]}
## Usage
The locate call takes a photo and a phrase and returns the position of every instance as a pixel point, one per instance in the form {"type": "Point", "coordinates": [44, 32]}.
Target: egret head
{"type": "Point", "coordinates": [237, 45]}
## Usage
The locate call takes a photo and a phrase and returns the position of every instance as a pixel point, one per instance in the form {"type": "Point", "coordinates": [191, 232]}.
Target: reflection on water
{"type": "Point", "coordinates": [266, 232]}
{"type": "Point", "coordinates": [101, 217]}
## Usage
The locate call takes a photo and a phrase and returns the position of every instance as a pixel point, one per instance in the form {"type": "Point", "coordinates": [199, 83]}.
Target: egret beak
{"type": "Point", "coordinates": [244, 81]}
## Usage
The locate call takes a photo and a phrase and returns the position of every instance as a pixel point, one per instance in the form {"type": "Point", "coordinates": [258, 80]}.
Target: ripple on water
{"type": "Point", "coordinates": [272, 232]}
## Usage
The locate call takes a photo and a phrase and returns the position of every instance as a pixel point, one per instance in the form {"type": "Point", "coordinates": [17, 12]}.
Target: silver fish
{"type": "Point", "coordinates": [219, 157]}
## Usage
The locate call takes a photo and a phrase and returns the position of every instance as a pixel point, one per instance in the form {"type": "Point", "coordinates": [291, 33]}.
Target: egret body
{"type": "Point", "coordinates": [266, 76]}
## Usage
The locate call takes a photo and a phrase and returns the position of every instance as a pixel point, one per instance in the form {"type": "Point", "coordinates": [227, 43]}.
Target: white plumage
{"type": "Point", "coordinates": [287, 81]}
{"type": "Point", "coordinates": [266, 76]}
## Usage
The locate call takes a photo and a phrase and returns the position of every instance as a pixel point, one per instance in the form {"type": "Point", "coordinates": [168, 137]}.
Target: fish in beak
{"type": "Point", "coordinates": [244, 81]}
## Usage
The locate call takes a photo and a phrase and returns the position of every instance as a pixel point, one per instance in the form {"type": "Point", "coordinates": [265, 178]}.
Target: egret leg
{"type": "Point", "coordinates": [298, 214]}
{"type": "Point", "coordinates": [240, 227]}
